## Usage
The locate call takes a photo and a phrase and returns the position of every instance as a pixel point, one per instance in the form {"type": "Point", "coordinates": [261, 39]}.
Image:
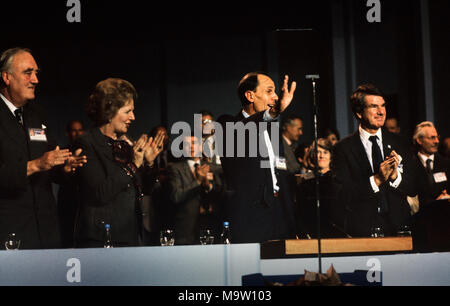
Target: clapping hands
{"type": "Point", "coordinates": [388, 169]}
{"type": "Point", "coordinates": [148, 148]}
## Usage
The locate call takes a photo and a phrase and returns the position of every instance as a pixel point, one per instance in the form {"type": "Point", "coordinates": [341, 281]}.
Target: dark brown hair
{"type": "Point", "coordinates": [107, 98]}
{"type": "Point", "coordinates": [357, 99]}
{"type": "Point", "coordinates": [248, 82]}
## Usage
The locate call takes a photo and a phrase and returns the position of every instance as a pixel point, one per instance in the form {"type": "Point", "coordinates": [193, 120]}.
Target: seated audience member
{"type": "Point", "coordinates": [332, 135]}
{"type": "Point", "coordinates": [331, 216]}
{"type": "Point", "coordinates": [301, 152]}
{"type": "Point", "coordinates": [392, 125]}
{"type": "Point", "coordinates": [196, 189]}
{"type": "Point", "coordinates": [292, 129]}
{"type": "Point", "coordinates": [68, 192]}
{"type": "Point", "coordinates": [111, 182]}
{"type": "Point", "coordinates": [432, 170]}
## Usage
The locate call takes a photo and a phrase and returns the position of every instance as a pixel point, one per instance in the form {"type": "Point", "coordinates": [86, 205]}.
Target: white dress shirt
{"type": "Point", "coordinates": [423, 159]}
{"type": "Point", "coordinates": [367, 144]}
{"type": "Point", "coordinates": [268, 143]}
{"type": "Point", "coordinates": [8, 103]}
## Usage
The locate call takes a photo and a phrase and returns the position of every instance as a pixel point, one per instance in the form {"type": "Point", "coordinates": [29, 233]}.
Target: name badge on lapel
{"type": "Point", "coordinates": [37, 135]}
{"type": "Point", "coordinates": [440, 177]}
{"type": "Point", "coordinates": [280, 163]}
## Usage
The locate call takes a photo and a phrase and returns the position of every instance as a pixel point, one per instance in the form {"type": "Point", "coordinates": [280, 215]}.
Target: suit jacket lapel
{"type": "Point", "coordinates": [12, 127]}
{"type": "Point", "coordinates": [360, 155]}
{"type": "Point", "coordinates": [239, 116]}
{"type": "Point", "coordinates": [187, 173]}
{"type": "Point", "coordinates": [387, 144]}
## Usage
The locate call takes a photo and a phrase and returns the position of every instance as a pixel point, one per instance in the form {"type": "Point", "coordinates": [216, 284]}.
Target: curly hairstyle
{"type": "Point", "coordinates": [107, 98]}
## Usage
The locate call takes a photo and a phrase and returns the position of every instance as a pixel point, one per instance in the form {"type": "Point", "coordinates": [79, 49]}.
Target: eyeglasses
{"type": "Point", "coordinates": [206, 121]}
{"type": "Point", "coordinates": [432, 137]}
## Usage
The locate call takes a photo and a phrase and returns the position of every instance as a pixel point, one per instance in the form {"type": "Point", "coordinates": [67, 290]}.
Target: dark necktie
{"type": "Point", "coordinates": [429, 171]}
{"type": "Point", "coordinates": [19, 115]}
{"type": "Point", "coordinates": [429, 161]}
{"type": "Point", "coordinates": [377, 158]}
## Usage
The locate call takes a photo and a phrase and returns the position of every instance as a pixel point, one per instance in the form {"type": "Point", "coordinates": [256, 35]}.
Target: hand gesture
{"type": "Point", "coordinates": [202, 175]}
{"type": "Point", "coordinates": [75, 161]}
{"type": "Point", "coordinates": [47, 161]}
{"type": "Point", "coordinates": [139, 148]}
{"type": "Point", "coordinates": [395, 164]}
{"type": "Point", "coordinates": [443, 195]}
{"type": "Point", "coordinates": [385, 171]}
{"type": "Point", "coordinates": [53, 158]}
{"type": "Point", "coordinates": [286, 97]}
{"type": "Point", "coordinates": [155, 147]}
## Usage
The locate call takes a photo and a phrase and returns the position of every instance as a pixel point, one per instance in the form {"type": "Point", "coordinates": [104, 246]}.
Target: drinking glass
{"type": "Point", "coordinates": [167, 237]}
{"type": "Point", "coordinates": [377, 232]}
{"type": "Point", "coordinates": [206, 236]}
{"type": "Point", "coordinates": [404, 231]}
{"type": "Point", "coordinates": [12, 243]}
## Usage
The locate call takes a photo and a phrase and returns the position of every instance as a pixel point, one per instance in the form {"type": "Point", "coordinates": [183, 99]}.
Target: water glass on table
{"type": "Point", "coordinates": [12, 243]}
{"type": "Point", "coordinates": [167, 237]}
{"type": "Point", "coordinates": [206, 236]}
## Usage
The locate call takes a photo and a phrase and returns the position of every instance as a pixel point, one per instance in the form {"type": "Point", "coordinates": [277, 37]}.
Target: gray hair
{"type": "Point", "coordinates": [418, 131]}
{"type": "Point", "coordinates": [7, 57]}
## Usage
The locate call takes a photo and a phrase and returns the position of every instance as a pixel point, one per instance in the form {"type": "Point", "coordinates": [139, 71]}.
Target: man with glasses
{"type": "Point", "coordinates": [431, 168]}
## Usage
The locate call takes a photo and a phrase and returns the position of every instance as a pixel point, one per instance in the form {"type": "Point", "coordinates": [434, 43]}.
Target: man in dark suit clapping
{"type": "Point", "coordinates": [29, 159]}
{"type": "Point", "coordinates": [372, 165]}
{"type": "Point", "coordinates": [195, 188]}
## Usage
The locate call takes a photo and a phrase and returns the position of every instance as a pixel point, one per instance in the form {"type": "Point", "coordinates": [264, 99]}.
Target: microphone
{"type": "Point", "coordinates": [312, 76]}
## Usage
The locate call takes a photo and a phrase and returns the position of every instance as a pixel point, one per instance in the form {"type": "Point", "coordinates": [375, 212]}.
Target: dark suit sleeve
{"type": "Point", "coordinates": [351, 191]}
{"type": "Point", "coordinates": [13, 172]}
{"type": "Point", "coordinates": [180, 188]}
{"type": "Point", "coordinates": [219, 186]}
{"type": "Point", "coordinates": [100, 185]}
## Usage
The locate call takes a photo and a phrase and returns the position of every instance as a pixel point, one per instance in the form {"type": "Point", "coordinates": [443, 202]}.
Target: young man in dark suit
{"type": "Point", "coordinates": [259, 206]}
{"type": "Point", "coordinates": [28, 158]}
{"type": "Point", "coordinates": [372, 165]}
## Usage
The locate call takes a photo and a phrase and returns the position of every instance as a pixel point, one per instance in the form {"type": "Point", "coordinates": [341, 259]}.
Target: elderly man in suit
{"type": "Point", "coordinates": [259, 205]}
{"type": "Point", "coordinates": [372, 166]}
{"type": "Point", "coordinates": [29, 159]}
{"type": "Point", "coordinates": [432, 170]}
{"type": "Point", "coordinates": [195, 188]}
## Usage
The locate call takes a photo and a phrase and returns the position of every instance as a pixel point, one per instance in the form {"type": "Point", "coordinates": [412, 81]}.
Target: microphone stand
{"type": "Point", "coordinates": [313, 79]}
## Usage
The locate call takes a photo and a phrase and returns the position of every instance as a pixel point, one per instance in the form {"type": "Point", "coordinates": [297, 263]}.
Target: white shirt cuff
{"type": "Point", "coordinates": [393, 184]}
{"type": "Point", "coordinates": [397, 182]}
{"type": "Point", "coordinates": [373, 184]}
